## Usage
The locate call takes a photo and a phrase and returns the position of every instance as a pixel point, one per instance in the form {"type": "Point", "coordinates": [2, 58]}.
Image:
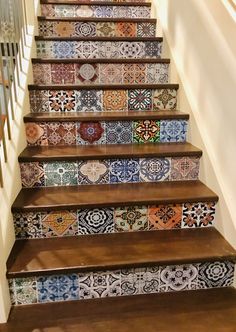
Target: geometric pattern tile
{"type": "Point", "coordinates": [61, 174]}
{"type": "Point", "coordinates": [62, 100]}
{"type": "Point", "coordinates": [164, 99]}
{"type": "Point", "coordinates": [61, 133]}
{"type": "Point", "coordinates": [165, 216]}
{"type": "Point", "coordinates": [140, 100]}
{"type": "Point", "coordinates": [146, 131]}
{"type": "Point", "coordinates": [88, 101]}
{"type": "Point", "coordinates": [32, 174]}
{"type": "Point", "coordinates": [61, 223]}
{"type": "Point", "coordinates": [185, 168]}
{"type": "Point", "coordinates": [173, 130]}
{"type": "Point", "coordinates": [90, 133]}
{"type": "Point", "coordinates": [115, 100]}
{"type": "Point", "coordinates": [36, 133]}
{"type": "Point", "coordinates": [198, 214]}
{"type": "Point", "coordinates": [93, 172]}
{"type": "Point", "coordinates": [154, 169]}
{"type": "Point", "coordinates": [119, 132]}
{"type": "Point", "coordinates": [132, 218]}
{"type": "Point", "coordinates": [157, 73]}
{"type": "Point", "coordinates": [124, 170]}
{"type": "Point", "coordinates": [27, 225]}
{"type": "Point", "coordinates": [23, 290]}
{"type": "Point", "coordinates": [134, 73]}
{"type": "Point", "coordinates": [95, 221]}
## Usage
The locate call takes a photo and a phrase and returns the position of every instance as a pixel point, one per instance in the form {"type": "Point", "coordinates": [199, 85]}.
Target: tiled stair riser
{"type": "Point", "coordinates": [33, 225]}
{"type": "Point", "coordinates": [98, 49]}
{"type": "Point", "coordinates": [154, 279]}
{"type": "Point", "coordinates": [102, 100]}
{"type": "Point", "coordinates": [109, 171]}
{"type": "Point", "coordinates": [100, 133]}
{"type": "Point", "coordinates": [108, 11]}
{"type": "Point", "coordinates": [101, 73]}
{"type": "Point", "coordinates": [99, 29]}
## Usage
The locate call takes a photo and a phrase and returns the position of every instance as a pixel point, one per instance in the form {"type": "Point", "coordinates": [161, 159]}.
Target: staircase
{"type": "Point", "coordinates": [111, 208]}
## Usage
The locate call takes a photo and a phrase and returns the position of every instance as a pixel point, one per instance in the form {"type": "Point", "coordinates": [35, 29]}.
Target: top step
{"type": "Point", "coordinates": [100, 3]}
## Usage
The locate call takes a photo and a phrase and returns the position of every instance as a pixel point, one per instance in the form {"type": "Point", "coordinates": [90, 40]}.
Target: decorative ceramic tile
{"type": "Point", "coordinates": [140, 12]}
{"type": "Point", "coordinates": [86, 50]}
{"type": "Point", "coordinates": [154, 169]}
{"type": "Point", "coordinates": [87, 73]}
{"type": "Point", "coordinates": [99, 284]}
{"type": "Point", "coordinates": [131, 49]}
{"type": "Point", "coordinates": [36, 133]}
{"type": "Point", "coordinates": [23, 290]}
{"type": "Point", "coordinates": [134, 73]}
{"type": "Point", "coordinates": [124, 170]}
{"type": "Point", "coordinates": [47, 10]}
{"type": "Point", "coordinates": [157, 73]}
{"type": "Point", "coordinates": [102, 11]}
{"type": "Point", "coordinates": [164, 99]}
{"type": "Point", "coordinates": [119, 132]}
{"type": "Point", "coordinates": [173, 130]}
{"type": "Point", "coordinates": [110, 73]}
{"type": "Point", "coordinates": [89, 101]}
{"type": "Point", "coordinates": [27, 225]}
{"type": "Point", "coordinates": [165, 216]}
{"type": "Point", "coordinates": [140, 100]}
{"type": "Point", "coordinates": [64, 49]}
{"type": "Point", "coordinates": [185, 168]}
{"type": "Point", "coordinates": [133, 218]}
{"type": "Point", "coordinates": [61, 174]}
{"type": "Point", "coordinates": [122, 12]}
{"type": "Point", "coordinates": [178, 278]}
{"type": "Point", "coordinates": [61, 133]}
{"type": "Point", "coordinates": [153, 49]}
{"type": "Point", "coordinates": [93, 172]}
{"type": "Point", "coordinates": [57, 288]}
{"type": "Point", "coordinates": [64, 29]}
{"type": "Point", "coordinates": [146, 29]}
{"type": "Point", "coordinates": [106, 29]}
{"type": "Point", "coordinates": [39, 101]}
{"type": "Point", "coordinates": [62, 223]}
{"type": "Point", "coordinates": [32, 174]}
{"type": "Point", "coordinates": [85, 29]}
{"type": "Point", "coordinates": [42, 73]}
{"type": "Point", "coordinates": [96, 221]}
{"type": "Point", "coordinates": [84, 11]}
{"type": "Point", "coordinates": [216, 274]}
{"type": "Point", "coordinates": [140, 281]}
{"type": "Point", "coordinates": [146, 131]}
{"type": "Point", "coordinates": [198, 214]}
{"type": "Point", "coordinates": [61, 100]}
{"type": "Point", "coordinates": [126, 29]}
{"type": "Point", "coordinates": [108, 50]}
{"type": "Point", "coordinates": [115, 100]}
{"type": "Point", "coordinates": [64, 10]}
{"type": "Point", "coordinates": [63, 73]}
{"type": "Point", "coordinates": [91, 133]}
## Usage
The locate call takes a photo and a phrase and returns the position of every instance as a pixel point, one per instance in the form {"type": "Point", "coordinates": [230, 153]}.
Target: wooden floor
{"type": "Point", "coordinates": [211, 310]}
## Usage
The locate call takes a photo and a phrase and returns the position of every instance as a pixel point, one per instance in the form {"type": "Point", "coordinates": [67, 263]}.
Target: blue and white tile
{"type": "Point", "coordinates": [173, 130]}
{"type": "Point", "coordinates": [64, 49]}
{"type": "Point", "coordinates": [119, 132]}
{"type": "Point", "coordinates": [89, 101]}
{"type": "Point", "coordinates": [124, 170]}
{"type": "Point", "coordinates": [154, 169]}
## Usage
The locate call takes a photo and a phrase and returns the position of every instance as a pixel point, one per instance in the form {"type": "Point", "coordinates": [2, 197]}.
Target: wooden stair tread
{"type": "Point", "coordinates": [96, 38]}
{"type": "Point", "coordinates": [96, 3]}
{"type": "Point", "coordinates": [98, 19]}
{"type": "Point", "coordinates": [97, 60]}
{"type": "Point", "coordinates": [50, 153]}
{"type": "Point", "coordinates": [125, 194]}
{"type": "Point", "coordinates": [115, 251]}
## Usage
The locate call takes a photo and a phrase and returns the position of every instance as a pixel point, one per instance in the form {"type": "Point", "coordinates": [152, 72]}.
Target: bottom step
{"type": "Point", "coordinates": [195, 311]}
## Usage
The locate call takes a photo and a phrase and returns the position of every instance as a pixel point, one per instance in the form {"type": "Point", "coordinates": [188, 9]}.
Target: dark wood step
{"type": "Point", "coordinates": [195, 311]}
{"type": "Point", "coordinates": [117, 251]}
{"type": "Point", "coordinates": [109, 39]}
{"type": "Point", "coordinates": [97, 19]}
{"type": "Point", "coordinates": [105, 116]}
{"type": "Point", "coordinates": [61, 153]}
{"type": "Point", "coordinates": [96, 3]}
{"type": "Point", "coordinates": [92, 196]}
{"type": "Point", "coordinates": [52, 60]}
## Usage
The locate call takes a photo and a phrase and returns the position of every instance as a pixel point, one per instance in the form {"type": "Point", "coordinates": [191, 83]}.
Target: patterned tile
{"type": "Point", "coordinates": [61, 174]}
{"type": "Point", "coordinates": [146, 29]}
{"type": "Point", "coordinates": [99, 284]}
{"type": "Point", "coordinates": [198, 214]}
{"type": "Point", "coordinates": [57, 288]}
{"type": "Point", "coordinates": [89, 101]}
{"type": "Point", "coordinates": [165, 216]}
{"type": "Point", "coordinates": [63, 73]}
{"type": "Point", "coordinates": [146, 131]}
{"type": "Point", "coordinates": [102, 11]}
{"type": "Point", "coordinates": [126, 29]}
{"type": "Point", "coordinates": [119, 132]}
{"type": "Point", "coordinates": [46, 28]}
{"type": "Point", "coordinates": [173, 130]}
{"type": "Point", "coordinates": [64, 11]}
{"type": "Point", "coordinates": [83, 11]}
{"type": "Point", "coordinates": [140, 12]}
{"type": "Point", "coordinates": [64, 49]}
{"type": "Point", "coordinates": [106, 29]}
{"type": "Point", "coordinates": [178, 278]}
{"type": "Point", "coordinates": [96, 221]}
{"type": "Point", "coordinates": [185, 168]}
{"type": "Point", "coordinates": [87, 73]}
{"type": "Point", "coordinates": [131, 50]}
{"type": "Point", "coordinates": [61, 133]}
{"type": "Point", "coordinates": [86, 50]}
{"type": "Point", "coordinates": [42, 73]}
{"type": "Point", "coordinates": [64, 29]}
{"type": "Point", "coordinates": [44, 49]}
{"type": "Point", "coordinates": [134, 73]}
{"type": "Point", "coordinates": [32, 174]}
{"type": "Point", "coordinates": [23, 290]}
{"type": "Point", "coordinates": [154, 169]}
{"type": "Point", "coordinates": [216, 274]}
{"type": "Point", "coordinates": [108, 50]}
{"type": "Point", "coordinates": [110, 73]}
{"type": "Point", "coordinates": [27, 225]}
{"type": "Point", "coordinates": [164, 99]}
{"type": "Point", "coordinates": [124, 170]}
{"type": "Point", "coordinates": [153, 49]}
{"type": "Point", "coordinates": [140, 100]}
{"type": "Point", "coordinates": [115, 100]}
{"type": "Point", "coordinates": [91, 133]}
{"type": "Point", "coordinates": [133, 218]}
{"type": "Point", "coordinates": [39, 101]}
{"type": "Point", "coordinates": [62, 223]}
{"type": "Point", "coordinates": [93, 172]}
{"type": "Point", "coordinates": [85, 29]}
{"type": "Point", "coordinates": [36, 133]}
{"type": "Point", "coordinates": [158, 73]}
{"type": "Point", "coordinates": [122, 12]}
{"type": "Point", "coordinates": [62, 100]}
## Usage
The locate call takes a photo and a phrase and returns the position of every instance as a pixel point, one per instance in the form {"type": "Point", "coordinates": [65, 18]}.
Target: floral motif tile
{"type": "Point", "coordinates": [106, 29]}
{"type": "Point", "coordinates": [134, 73]}
{"type": "Point", "coordinates": [140, 100]}
{"type": "Point", "coordinates": [119, 132]}
{"type": "Point", "coordinates": [27, 225]}
{"type": "Point", "coordinates": [39, 101]}
{"type": "Point", "coordinates": [93, 172]}
{"type": "Point", "coordinates": [42, 73]}
{"type": "Point", "coordinates": [158, 73]}
{"type": "Point", "coordinates": [46, 28]}
{"type": "Point", "coordinates": [64, 10]}
{"type": "Point", "coordinates": [86, 50]}
{"type": "Point", "coordinates": [99, 284]}
{"type": "Point", "coordinates": [36, 133]}
{"type": "Point", "coordinates": [164, 99]}
{"type": "Point", "coordinates": [140, 281]}
{"type": "Point", "coordinates": [102, 11]}
{"type": "Point", "coordinates": [154, 169]}
{"type": "Point", "coordinates": [109, 50]}
{"type": "Point", "coordinates": [126, 29]}
{"type": "Point", "coordinates": [61, 174]}
{"type": "Point", "coordinates": [91, 133]}
{"type": "Point", "coordinates": [198, 214]}
{"type": "Point", "coordinates": [216, 274]}
{"type": "Point", "coordinates": [153, 49]}
{"type": "Point", "coordinates": [185, 168]}
{"type": "Point", "coordinates": [132, 218]}
{"type": "Point", "coordinates": [58, 288]}
{"type": "Point", "coordinates": [115, 100]}
{"type": "Point", "coordinates": [64, 49]}
{"type": "Point", "coordinates": [23, 290]}
{"type": "Point", "coordinates": [96, 221]}
{"type": "Point", "coordinates": [178, 278]}
{"type": "Point", "coordinates": [165, 216]}
{"type": "Point", "coordinates": [124, 170]}
{"type": "Point", "coordinates": [83, 11]}
{"type": "Point", "coordinates": [63, 73]}
{"type": "Point", "coordinates": [61, 223]}
{"type": "Point", "coordinates": [87, 73]}
{"type": "Point", "coordinates": [89, 101]}
{"type": "Point", "coordinates": [44, 49]}
{"type": "Point", "coordinates": [146, 29]}
{"type": "Point", "coordinates": [141, 12]}
{"type": "Point", "coordinates": [47, 10]}
{"type": "Point", "coordinates": [32, 174]}
{"type": "Point", "coordinates": [173, 130]}
{"type": "Point", "coordinates": [85, 29]}
{"type": "Point", "coordinates": [62, 101]}
{"type": "Point", "coordinates": [122, 12]}
{"type": "Point", "coordinates": [61, 133]}
{"type": "Point", "coordinates": [131, 50]}
{"type": "Point", "coordinates": [63, 29]}
{"type": "Point", "coordinates": [146, 131]}
{"type": "Point", "coordinates": [110, 73]}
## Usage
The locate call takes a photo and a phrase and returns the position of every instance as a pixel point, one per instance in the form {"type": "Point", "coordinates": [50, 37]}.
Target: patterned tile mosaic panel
{"type": "Point", "coordinates": [98, 49]}
{"type": "Point", "coordinates": [33, 225]}
{"type": "Point", "coordinates": [153, 279]}
{"type": "Point", "coordinates": [93, 29]}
